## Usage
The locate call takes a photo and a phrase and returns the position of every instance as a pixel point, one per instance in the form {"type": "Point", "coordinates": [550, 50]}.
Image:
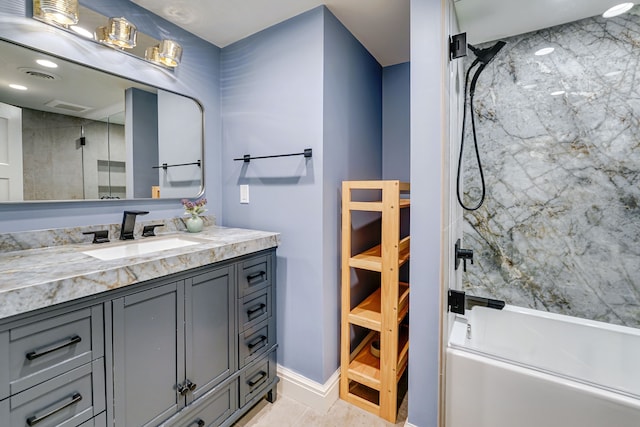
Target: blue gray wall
{"type": "Point", "coordinates": [142, 118]}
{"type": "Point", "coordinates": [352, 151]}
{"type": "Point", "coordinates": [197, 77]}
{"type": "Point", "coordinates": [428, 131]}
{"type": "Point", "coordinates": [396, 142]}
{"type": "Point", "coordinates": [272, 104]}
{"type": "Point", "coordinates": [305, 83]}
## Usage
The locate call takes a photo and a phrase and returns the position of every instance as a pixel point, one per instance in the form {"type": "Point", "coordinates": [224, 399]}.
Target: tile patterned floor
{"type": "Point", "coordinates": [286, 412]}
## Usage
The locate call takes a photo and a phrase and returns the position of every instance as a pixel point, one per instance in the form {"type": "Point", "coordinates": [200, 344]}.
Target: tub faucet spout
{"type": "Point", "coordinates": [459, 301]}
{"type": "Point", "coordinates": [129, 223]}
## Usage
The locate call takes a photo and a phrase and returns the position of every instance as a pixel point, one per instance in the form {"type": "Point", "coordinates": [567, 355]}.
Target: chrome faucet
{"type": "Point", "coordinates": [129, 223]}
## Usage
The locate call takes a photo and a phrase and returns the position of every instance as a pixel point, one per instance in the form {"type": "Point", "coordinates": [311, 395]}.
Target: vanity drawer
{"type": "Point", "coordinates": [4, 367]}
{"type": "Point", "coordinates": [256, 378]}
{"type": "Point", "coordinates": [211, 410]}
{"type": "Point", "coordinates": [254, 308]}
{"type": "Point", "coordinates": [67, 400]}
{"type": "Point", "coordinates": [44, 349]}
{"type": "Point", "coordinates": [255, 341]}
{"type": "Point", "coordinates": [254, 274]}
{"type": "Point", "coordinates": [97, 421]}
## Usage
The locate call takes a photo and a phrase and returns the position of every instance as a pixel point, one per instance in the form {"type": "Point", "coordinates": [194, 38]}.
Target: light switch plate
{"type": "Point", "coordinates": [244, 193]}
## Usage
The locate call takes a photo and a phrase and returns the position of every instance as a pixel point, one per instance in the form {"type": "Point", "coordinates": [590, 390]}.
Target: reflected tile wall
{"type": "Point", "coordinates": [55, 167]}
{"type": "Point", "coordinates": [560, 227]}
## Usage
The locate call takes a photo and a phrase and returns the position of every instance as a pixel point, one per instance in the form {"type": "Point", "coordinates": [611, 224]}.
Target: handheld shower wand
{"type": "Point", "coordinates": [483, 57]}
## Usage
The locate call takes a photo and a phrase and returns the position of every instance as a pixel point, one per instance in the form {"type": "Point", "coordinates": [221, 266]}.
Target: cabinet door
{"type": "Point", "coordinates": [148, 347]}
{"type": "Point", "coordinates": [209, 329]}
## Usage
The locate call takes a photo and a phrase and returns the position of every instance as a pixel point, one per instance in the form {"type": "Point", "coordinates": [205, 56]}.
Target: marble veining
{"type": "Point", "coordinates": [40, 276]}
{"type": "Point", "coordinates": [24, 240]}
{"type": "Point", "coordinates": [559, 139]}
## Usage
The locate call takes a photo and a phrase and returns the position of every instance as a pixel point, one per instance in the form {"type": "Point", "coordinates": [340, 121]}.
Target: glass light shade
{"type": "Point", "coordinates": [122, 33]}
{"type": "Point", "coordinates": [170, 53]}
{"type": "Point", "coordinates": [152, 54]}
{"type": "Point", "coordinates": [101, 34]}
{"type": "Point", "coordinates": [62, 12]}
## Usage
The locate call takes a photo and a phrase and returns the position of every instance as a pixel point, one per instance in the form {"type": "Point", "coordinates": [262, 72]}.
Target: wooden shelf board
{"type": "Point", "coordinates": [375, 206]}
{"type": "Point", "coordinates": [403, 351]}
{"type": "Point", "coordinates": [364, 398]}
{"type": "Point", "coordinates": [371, 259]}
{"type": "Point", "coordinates": [366, 206]}
{"type": "Point", "coordinates": [368, 313]}
{"type": "Point", "coordinates": [368, 260]}
{"type": "Point", "coordinates": [365, 368]}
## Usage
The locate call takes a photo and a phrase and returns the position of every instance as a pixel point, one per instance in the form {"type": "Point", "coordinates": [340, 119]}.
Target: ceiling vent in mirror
{"type": "Point", "coordinates": [40, 74]}
{"type": "Point", "coordinates": [68, 106]}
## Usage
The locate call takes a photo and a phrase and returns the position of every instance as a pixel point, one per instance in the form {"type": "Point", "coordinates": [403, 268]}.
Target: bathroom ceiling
{"type": "Point", "coordinates": [487, 20]}
{"type": "Point", "coordinates": [382, 26]}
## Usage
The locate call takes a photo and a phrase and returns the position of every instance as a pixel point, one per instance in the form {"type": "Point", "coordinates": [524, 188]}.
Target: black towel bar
{"type": "Point", "coordinates": [247, 157]}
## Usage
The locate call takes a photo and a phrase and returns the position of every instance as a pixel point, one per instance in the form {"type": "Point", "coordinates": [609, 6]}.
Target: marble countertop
{"type": "Point", "coordinates": [36, 278]}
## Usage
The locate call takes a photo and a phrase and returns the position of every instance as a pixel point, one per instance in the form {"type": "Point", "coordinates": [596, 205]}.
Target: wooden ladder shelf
{"type": "Point", "coordinates": [367, 381]}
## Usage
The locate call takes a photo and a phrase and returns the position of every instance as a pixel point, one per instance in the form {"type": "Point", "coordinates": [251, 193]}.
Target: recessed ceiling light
{"type": "Point", "coordinates": [544, 51]}
{"type": "Point", "coordinates": [47, 63]}
{"type": "Point", "coordinates": [530, 86]}
{"type": "Point", "coordinates": [616, 10]}
{"type": "Point", "coordinates": [558, 92]}
{"type": "Point", "coordinates": [82, 31]}
{"type": "Point", "coordinates": [17, 87]}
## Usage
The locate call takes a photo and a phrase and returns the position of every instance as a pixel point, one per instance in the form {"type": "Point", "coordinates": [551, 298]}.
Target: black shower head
{"type": "Point", "coordinates": [486, 55]}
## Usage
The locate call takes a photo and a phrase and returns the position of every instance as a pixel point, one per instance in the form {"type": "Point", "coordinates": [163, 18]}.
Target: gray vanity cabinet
{"type": "Point", "coordinates": [171, 344]}
{"type": "Point", "coordinates": [209, 329]}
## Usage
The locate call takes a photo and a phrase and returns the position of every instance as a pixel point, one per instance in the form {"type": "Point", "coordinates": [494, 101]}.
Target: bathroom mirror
{"type": "Point", "coordinates": [71, 132]}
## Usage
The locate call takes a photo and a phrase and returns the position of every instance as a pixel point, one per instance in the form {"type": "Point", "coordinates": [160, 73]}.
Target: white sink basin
{"type": "Point", "coordinates": [142, 247]}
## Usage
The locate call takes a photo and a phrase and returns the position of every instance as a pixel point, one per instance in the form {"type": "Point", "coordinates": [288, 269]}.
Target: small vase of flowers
{"type": "Point", "coordinates": [194, 223]}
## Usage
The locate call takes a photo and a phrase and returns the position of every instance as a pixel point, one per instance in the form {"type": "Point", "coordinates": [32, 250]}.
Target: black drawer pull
{"type": "Point", "coordinates": [255, 309]}
{"type": "Point", "coordinates": [261, 339]}
{"type": "Point", "coordinates": [252, 381]}
{"type": "Point", "coordinates": [77, 397]}
{"type": "Point", "coordinates": [39, 353]}
{"type": "Point", "coordinates": [256, 275]}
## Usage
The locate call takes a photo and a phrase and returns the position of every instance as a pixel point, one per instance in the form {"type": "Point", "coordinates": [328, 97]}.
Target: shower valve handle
{"type": "Point", "coordinates": [464, 255]}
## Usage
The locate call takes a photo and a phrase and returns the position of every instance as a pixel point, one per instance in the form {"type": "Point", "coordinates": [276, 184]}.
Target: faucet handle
{"type": "Point", "coordinates": [99, 236]}
{"type": "Point", "coordinates": [149, 230]}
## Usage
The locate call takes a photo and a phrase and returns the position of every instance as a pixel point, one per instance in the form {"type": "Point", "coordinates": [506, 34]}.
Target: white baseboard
{"type": "Point", "coordinates": [317, 396]}
{"type": "Point", "coordinates": [408, 424]}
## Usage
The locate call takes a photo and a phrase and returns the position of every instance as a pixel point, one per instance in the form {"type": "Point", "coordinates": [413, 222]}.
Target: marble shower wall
{"type": "Point", "coordinates": [560, 227]}
{"type": "Point", "coordinates": [56, 167]}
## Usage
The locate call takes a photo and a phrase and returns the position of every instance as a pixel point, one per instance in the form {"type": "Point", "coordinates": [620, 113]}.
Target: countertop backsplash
{"type": "Point", "coordinates": [36, 239]}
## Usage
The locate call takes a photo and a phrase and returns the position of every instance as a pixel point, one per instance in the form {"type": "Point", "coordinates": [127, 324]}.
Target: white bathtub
{"type": "Point", "coordinates": [525, 368]}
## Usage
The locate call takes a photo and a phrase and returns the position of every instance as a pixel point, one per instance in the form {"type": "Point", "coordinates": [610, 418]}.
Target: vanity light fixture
{"type": "Point", "coordinates": [557, 93]}
{"type": "Point", "coordinates": [168, 53]}
{"type": "Point", "coordinates": [152, 54]}
{"type": "Point", "coordinates": [121, 33]}
{"type": "Point", "coordinates": [17, 87]}
{"type": "Point", "coordinates": [544, 51]}
{"type": "Point", "coordinates": [616, 10]}
{"type": "Point", "coordinates": [60, 12]}
{"type": "Point", "coordinates": [46, 63]}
